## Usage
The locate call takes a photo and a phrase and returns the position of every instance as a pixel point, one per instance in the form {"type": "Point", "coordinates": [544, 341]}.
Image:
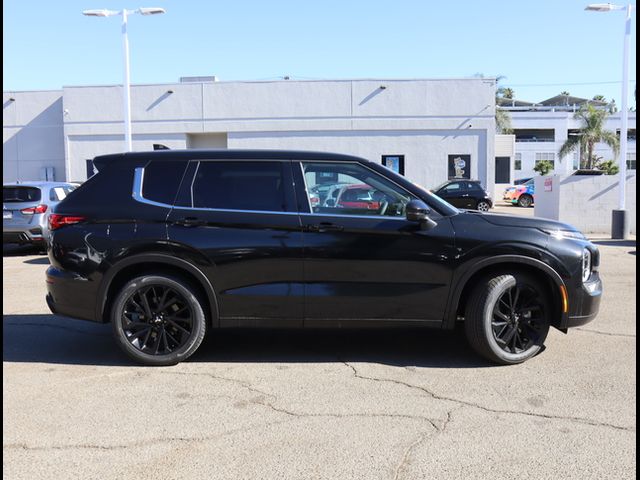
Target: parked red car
{"type": "Point", "coordinates": [358, 197]}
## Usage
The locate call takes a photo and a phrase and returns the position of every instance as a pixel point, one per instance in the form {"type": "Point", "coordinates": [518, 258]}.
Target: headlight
{"type": "Point", "coordinates": [560, 234]}
{"type": "Point", "coordinates": [586, 265]}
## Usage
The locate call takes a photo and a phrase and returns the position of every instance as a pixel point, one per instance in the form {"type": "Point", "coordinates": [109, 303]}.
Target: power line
{"type": "Point", "coordinates": [564, 84]}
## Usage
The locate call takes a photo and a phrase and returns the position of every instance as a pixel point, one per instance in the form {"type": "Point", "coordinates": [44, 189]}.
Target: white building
{"type": "Point", "coordinates": [418, 125]}
{"type": "Point", "coordinates": [541, 129]}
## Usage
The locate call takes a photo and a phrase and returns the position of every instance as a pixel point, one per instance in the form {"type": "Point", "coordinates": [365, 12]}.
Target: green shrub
{"type": "Point", "coordinates": [543, 167]}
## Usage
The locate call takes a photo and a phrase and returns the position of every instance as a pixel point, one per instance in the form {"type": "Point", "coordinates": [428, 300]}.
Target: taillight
{"type": "Point", "coordinates": [57, 220]}
{"type": "Point", "coordinates": [34, 210]}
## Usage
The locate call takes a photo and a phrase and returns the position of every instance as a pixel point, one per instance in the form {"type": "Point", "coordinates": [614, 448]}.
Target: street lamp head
{"type": "Point", "coordinates": [603, 7]}
{"type": "Point", "coordinates": [99, 13]}
{"type": "Point", "coordinates": [150, 10]}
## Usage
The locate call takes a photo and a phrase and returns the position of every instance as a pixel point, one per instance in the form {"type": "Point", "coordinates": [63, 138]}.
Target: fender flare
{"type": "Point", "coordinates": [460, 280]}
{"type": "Point", "coordinates": [158, 258]}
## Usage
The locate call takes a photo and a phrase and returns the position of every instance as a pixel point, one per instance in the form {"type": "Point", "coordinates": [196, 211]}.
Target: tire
{"type": "Point", "coordinates": [483, 206]}
{"type": "Point", "coordinates": [512, 335]}
{"type": "Point", "coordinates": [525, 201]}
{"type": "Point", "coordinates": [158, 320]}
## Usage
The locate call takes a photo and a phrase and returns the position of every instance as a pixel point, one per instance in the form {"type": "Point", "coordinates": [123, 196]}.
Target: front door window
{"type": "Point", "coordinates": [353, 190]}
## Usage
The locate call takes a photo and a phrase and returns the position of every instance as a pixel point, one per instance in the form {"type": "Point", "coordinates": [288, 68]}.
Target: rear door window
{"type": "Point", "coordinates": [21, 194]}
{"type": "Point", "coordinates": [246, 185]}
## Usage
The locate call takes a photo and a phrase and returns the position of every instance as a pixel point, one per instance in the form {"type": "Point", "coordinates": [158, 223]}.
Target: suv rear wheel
{"type": "Point", "coordinates": [158, 320]}
{"type": "Point", "coordinates": [507, 318]}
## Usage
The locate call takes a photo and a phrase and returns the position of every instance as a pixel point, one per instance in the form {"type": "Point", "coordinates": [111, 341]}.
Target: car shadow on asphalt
{"type": "Point", "coordinates": [615, 243]}
{"type": "Point", "coordinates": [58, 340]}
{"type": "Point", "coordinates": [618, 243]}
{"type": "Point", "coordinates": [20, 250]}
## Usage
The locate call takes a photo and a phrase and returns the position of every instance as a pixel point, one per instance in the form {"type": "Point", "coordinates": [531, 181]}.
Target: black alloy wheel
{"type": "Point", "coordinates": [507, 317]}
{"type": "Point", "coordinates": [158, 320]}
{"type": "Point", "coordinates": [518, 320]}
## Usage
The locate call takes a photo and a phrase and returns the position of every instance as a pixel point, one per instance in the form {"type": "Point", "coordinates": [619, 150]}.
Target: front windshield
{"type": "Point", "coordinates": [442, 185]}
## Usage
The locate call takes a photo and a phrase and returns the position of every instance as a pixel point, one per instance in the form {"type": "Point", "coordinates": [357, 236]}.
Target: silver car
{"type": "Point", "coordinates": [25, 210]}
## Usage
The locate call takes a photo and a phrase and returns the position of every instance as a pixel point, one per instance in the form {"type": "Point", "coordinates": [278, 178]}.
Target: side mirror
{"type": "Point", "coordinates": [418, 211]}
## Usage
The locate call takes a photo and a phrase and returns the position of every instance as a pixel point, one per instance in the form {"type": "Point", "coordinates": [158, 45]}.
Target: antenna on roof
{"type": "Point", "coordinates": [159, 146]}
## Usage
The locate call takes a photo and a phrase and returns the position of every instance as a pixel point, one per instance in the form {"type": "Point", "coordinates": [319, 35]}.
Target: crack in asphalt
{"type": "Point", "coordinates": [347, 415]}
{"type": "Point", "coordinates": [242, 383]}
{"type": "Point", "coordinates": [137, 444]}
{"type": "Point", "coordinates": [598, 332]}
{"type": "Point", "coordinates": [421, 438]}
{"type": "Point", "coordinates": [435, 396]}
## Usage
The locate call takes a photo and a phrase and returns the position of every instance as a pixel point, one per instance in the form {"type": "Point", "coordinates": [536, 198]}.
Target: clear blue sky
{"type": "Point", "coordinates": [48, 44]}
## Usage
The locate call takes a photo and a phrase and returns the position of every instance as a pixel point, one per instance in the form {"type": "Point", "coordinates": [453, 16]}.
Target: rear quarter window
{"type": "Point", "coordinates": [20, 194]}
{"type": "Point", "coordinates": [162, 179]}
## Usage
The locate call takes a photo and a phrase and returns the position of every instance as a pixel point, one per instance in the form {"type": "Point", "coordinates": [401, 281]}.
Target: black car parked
{"type": "Point", "coordinates": [195, 240]}
{"type": "Point", "coordinates": [465, 194]}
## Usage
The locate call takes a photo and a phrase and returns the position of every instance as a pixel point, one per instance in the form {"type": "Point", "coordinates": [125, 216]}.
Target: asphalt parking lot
{"type": "Point", "coordinates": [323, 405]}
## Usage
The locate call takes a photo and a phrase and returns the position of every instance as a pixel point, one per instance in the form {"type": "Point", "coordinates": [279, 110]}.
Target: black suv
{"type": "Point", "coordinates": [167, 244]}
{"type": "Point", "coordinates": [465, 194]}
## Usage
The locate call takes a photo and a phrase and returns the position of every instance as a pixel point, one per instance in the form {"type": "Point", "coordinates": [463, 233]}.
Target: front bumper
{"type": "Point", "coordinates": [586, 303]}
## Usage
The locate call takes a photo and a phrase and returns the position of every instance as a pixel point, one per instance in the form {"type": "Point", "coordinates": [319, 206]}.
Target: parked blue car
{"type": "Point", "coordinates": [521, 195]}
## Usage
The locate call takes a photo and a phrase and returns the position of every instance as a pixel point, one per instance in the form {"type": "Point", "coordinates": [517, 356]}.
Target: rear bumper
{"type": "Point", "coordinates": [586, 303]}
{"type": "Point", "coordinates": [23, 235]}
{"type": "Point", "coordinates": [70, 295]}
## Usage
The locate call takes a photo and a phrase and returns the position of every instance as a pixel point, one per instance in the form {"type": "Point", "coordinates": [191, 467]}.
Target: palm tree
{"type": "Point", "coordinates": [503, 119]}
{"type": "Point", "coordinates": [599, 98]}
{"type": "Point", "coordinates": [592, 132]}
{"type": "Point", "coordinates": [508, 93]}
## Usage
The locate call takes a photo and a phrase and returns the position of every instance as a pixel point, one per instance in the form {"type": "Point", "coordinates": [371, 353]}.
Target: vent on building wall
{"type": "Point", "coordinates": [198, 79]}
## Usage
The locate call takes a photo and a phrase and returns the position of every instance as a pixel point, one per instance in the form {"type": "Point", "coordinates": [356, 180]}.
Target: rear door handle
{"type": "Point", "coordinates": [190, 222]}
{"type": "Point", "coordinates": [325, 227]}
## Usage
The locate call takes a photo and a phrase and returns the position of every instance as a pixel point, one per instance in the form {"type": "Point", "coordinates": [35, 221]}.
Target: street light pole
{"type": "Point", "coordinates": [126, 94]}
{"type": "Point", "coordinates": [620, 221]}
{"type": "Point", "coordinates": [127, 84]}
{"type": "Point", "coordinates": [620, 217]}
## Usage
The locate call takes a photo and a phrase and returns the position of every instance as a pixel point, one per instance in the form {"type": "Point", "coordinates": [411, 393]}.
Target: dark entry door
{"type": "Point", "coordinates": [503, 169]}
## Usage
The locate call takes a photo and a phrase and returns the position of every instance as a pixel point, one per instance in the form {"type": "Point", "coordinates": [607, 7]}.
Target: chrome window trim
{"type": "Point", "coordinates": [138, 179]}
{"type": "Point", "coordinates": [370, 217]}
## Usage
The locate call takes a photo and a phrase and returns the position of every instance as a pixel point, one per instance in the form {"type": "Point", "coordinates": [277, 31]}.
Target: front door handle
{"type": "Point", "coordinates": [190, 222]}
{"type": "Point", "coordinates": [324, 227]}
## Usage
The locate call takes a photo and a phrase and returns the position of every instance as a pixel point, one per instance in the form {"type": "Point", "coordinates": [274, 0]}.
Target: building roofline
{"type": "Point", "coordinates": [344, 80]}
{"type": "Point", "coordinates": [8, 92]}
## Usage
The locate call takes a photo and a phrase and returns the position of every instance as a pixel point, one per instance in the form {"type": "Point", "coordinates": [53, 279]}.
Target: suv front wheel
{"type": "Point", "coordinates": [507, 318]}
{"type": "Point", "coordinates": [158, 320]}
